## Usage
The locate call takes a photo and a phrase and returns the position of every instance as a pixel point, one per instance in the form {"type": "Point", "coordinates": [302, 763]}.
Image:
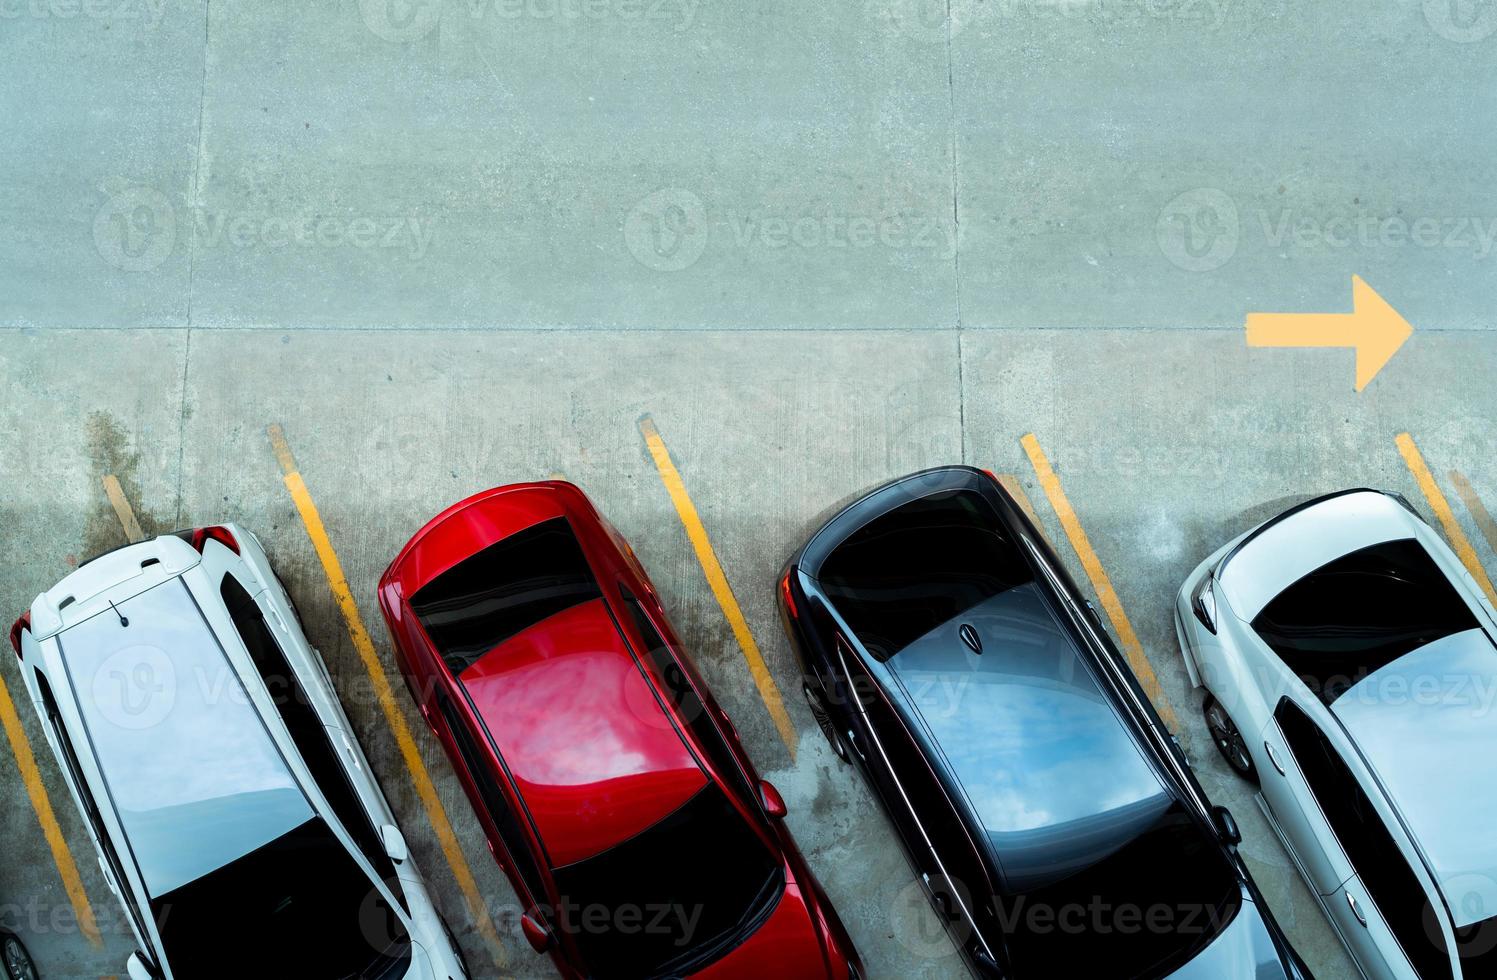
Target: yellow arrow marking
{"type": "Point", "coordinates": [1373, 328]}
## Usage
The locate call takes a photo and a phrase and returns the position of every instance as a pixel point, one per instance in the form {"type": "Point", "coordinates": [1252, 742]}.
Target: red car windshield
{"type": "Point", "coordinates": [672, 898]}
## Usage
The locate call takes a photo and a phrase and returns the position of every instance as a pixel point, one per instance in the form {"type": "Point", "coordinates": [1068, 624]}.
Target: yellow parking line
{"type": "Point", "coordinates": [122, 509]}
{"type": "Point", "coordinates": [1106, 594]}
{"type": "Point", "coordinates": [1437, 502]}
{"type": "Point", "coordinates": [62, 856]}
{"type": "Point", "coordinates": [1479, 512]}
{"type": "Point", "coordinates": [769, 691]}
{"type": "Point", "coordinates": [343, 595]}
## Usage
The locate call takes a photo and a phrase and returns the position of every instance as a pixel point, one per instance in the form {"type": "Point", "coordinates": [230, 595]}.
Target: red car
{"type": "Point", "coordinates": [612, 788]}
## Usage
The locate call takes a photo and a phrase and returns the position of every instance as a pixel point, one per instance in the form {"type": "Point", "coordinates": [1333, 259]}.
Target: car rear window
{"type": "Point", "coordinates": [507, 587]}
{"type": "Point", "coordinates": [1361, 612]}
{"type": "Point", "coordinates": [694, 884]}
{"type": "Point", "coordinates": [919, 566]}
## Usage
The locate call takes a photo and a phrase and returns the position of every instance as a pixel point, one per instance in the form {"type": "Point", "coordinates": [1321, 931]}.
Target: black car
{"type": "Point", "coordinates": [1054, 822]}
{"type": "Point", "coordinates": [15, 962]}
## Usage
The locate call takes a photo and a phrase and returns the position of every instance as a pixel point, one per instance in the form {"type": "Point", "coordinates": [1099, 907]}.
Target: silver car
{"type": "Point", "coordinates": [1350, 672]}
{"type": "Point", "coordinates": [234, 814]}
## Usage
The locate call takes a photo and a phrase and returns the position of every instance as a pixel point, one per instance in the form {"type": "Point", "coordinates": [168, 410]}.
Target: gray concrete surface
{"type": "Point", "coordinates": [453, 243]}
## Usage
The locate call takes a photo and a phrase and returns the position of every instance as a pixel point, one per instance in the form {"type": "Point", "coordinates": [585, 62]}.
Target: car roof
{"type": "Point", "coordinates": [593, 753]}
{"type": "Point", "coordinates": [183, 752]}
{"type": "Point", "coordinates": [1281, 552]}
{"type": "Point", "coordinates": [1028, 734]}
{"type": "Point", "coordinates": [1425, 726]}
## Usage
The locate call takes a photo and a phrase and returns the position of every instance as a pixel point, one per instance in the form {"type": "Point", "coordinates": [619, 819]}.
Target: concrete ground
{"type": "Point", "coordinates": [448, 244]}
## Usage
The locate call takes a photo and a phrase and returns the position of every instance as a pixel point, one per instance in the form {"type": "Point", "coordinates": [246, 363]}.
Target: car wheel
{"type": "Point", "coordinates": [824, 722]}
{"type": "Point", "coordinates": [1229, 740]}
{"type": "Point", "coordinates": [18, 965]}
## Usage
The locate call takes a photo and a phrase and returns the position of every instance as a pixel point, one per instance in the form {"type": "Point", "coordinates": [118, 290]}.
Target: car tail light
{"type": "Point", "coordinates": [24, 623]}
{"type": "Point", "coordinates": [202, 535]}
{"type": "Point", "coordinates": [789, 599]}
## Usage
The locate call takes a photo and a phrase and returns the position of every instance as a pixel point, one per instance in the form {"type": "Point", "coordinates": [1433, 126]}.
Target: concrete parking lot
{"type": "Point", "coordinates": [451, 244]}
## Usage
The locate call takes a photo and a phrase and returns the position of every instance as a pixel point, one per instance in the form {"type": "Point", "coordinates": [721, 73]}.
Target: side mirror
{"type": "Point", "coordinates": [394, 842]}
{"type": "Point", "coordinates": [537, 935]}
{"type": "Point", "coordinates": [1226, 825]}
{"type": "Point", "coordinates": [772, 801]}
{"type": "Point", "coordinates": [136, 968]}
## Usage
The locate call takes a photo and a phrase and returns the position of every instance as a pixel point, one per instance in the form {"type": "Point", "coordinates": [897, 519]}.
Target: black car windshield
{"type": "Point", "coordinates": [298, 906]}
{"type": "Point", "coordinates": [672, 897]}
{"type": "Point", "coordinates": [1361, 612]}
{"type": "Point", "coordinates": [1145, 909]}
{"type": "Point", "coordinates": [922, 564]}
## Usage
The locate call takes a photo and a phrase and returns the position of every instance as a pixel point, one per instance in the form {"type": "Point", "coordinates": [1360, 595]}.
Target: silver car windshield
{"type": "Point", "coordinates": [193, 775]}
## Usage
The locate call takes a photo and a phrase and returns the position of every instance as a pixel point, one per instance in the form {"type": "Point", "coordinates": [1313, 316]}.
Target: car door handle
{"type": "Point", "coordinates": [1356, 910]}
{"type": "Point", "coordinates": [852, 739]}
{"type": "Point", "coordinates": [1273, 757]}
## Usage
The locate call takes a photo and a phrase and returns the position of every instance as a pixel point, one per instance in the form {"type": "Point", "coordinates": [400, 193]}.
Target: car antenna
{"type": "Point", "coordinates": [123, 620]}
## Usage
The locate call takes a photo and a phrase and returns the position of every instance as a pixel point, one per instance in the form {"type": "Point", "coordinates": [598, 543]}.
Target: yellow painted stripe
{"type": "Point", "coordinates": [62, 856]}
{"type": "Point", "coordinates": [1106, 594]}
{"type": "Point", "coordinates": [122, 509]}
{"type": "Point", "coordinates": [425, 789]}
{"type": "Point", "coordinates": [1437, 502]}
{"type": "Point", "coordinates": [1479, 512]}
{"type": "Point", "coordinates": [717, 580]}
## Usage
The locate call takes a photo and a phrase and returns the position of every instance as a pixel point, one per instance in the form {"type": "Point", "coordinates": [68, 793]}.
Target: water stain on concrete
{"type": "Point", "coordinates": [110, 451]}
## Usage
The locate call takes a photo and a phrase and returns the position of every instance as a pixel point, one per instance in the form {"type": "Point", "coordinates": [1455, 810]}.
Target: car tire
{"type": "Point", "coordinates": [16, 961]}
{"type": "Point", "coordinates": [1229, 740]}
{"type": "Point", "coordinates": [824, 722]}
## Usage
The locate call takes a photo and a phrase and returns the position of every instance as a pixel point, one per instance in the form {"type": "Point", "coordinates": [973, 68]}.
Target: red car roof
{"type": "Point", "coordinates": [592, 752]}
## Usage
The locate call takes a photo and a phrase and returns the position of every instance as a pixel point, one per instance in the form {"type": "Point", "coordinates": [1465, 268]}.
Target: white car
{"type": "Point", "coordinates": [234, 814]}
{"type": "Point", "coordinates": [1350, 668]}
